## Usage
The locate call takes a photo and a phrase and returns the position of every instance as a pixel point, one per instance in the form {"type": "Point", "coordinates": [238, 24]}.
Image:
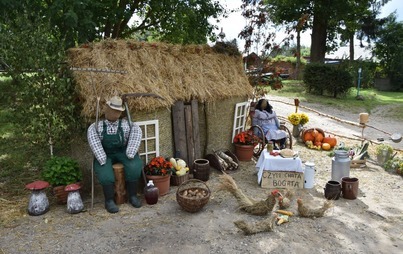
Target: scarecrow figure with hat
{"type": "Point", "coordinates": [113, 141]}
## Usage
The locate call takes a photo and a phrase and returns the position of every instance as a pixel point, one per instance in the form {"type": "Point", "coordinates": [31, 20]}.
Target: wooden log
{"type": "Point", "coordinates": [120, 184]}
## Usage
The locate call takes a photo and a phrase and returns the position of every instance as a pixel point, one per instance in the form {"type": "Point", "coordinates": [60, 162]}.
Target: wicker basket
{"type": "Point", "coordinates": [311, 130]}
{"type": "Point", "coordinates": [214, 162]}
{"type": "Point", "coordinates": [192, 204]}
{"type": "Point", "coordinates": [178, 180]}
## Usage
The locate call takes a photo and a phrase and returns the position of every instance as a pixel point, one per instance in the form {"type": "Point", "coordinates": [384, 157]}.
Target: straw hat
{"type": "Point", "coordinates": [116, 103]}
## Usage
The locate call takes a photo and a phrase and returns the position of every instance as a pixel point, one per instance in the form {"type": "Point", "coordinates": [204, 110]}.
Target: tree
{"type": "Point", "coordinates": [44, 100]}
{"type": "Point", "coordinates": [81, 21]}
{"type": "Point", "coordinates": [325, 17]}
{"type": "Point", "coordinates": [389, 50]}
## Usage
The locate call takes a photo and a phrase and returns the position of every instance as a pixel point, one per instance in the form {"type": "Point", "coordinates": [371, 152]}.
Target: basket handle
{"type": "Point", "coordinates": [191, 181]}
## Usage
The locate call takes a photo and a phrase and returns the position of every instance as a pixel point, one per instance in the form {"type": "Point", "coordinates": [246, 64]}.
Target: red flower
{"type": "Point", "coordinates": [246, 138]}
{"type": "Point", "coordinates": [158, 166]}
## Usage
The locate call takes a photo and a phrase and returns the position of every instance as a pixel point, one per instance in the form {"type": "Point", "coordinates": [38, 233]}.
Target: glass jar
{"type": "Point", "coordinates": [270, 146]}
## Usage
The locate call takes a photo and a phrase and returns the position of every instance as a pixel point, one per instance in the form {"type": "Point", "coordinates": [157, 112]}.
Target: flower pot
{"type": "Point", "coordinates": [161, 182]}
{"type": "Point", "coordinates": [60, 194]}
{"type": "Point", "coordinates": [244, 152]}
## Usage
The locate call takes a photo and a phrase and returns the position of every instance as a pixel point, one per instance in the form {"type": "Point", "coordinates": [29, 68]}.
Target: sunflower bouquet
{"type": "Point", "coordinates": [298, 118]}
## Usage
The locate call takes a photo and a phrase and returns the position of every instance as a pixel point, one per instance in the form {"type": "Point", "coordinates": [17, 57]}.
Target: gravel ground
{"type": "Point", "coordinates": [372, 223]}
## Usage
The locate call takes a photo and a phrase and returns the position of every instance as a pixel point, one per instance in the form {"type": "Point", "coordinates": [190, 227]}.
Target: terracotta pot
{"type": "Point", "coordinates": [161, 182]}
{"type": "Point", "coordinates": [244, 152]}
{"type": "Point", "coordinates": [60, 194]}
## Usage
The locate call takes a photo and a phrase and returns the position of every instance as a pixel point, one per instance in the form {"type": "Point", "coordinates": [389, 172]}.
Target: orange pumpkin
{"type": "Point", "coordinates": [315, 133]}
{"type": "Point", "coordinates": [332, 141]}
{"type": "Point", "coordinates": [326, 146]}
{"type": "Point", "coordinates": [319, 137]}
{"type": "Point", "coordinates": [308, 136]}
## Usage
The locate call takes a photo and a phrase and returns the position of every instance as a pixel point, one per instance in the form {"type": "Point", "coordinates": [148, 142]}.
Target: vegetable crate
{"type": "Point", "coordinates": [193, 195]}
{"type": "Point", "coordinates": [358, 163]}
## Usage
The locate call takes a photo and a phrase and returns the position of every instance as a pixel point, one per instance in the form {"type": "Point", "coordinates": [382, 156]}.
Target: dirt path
{"type": "Point", "coordinates": [372, 223]}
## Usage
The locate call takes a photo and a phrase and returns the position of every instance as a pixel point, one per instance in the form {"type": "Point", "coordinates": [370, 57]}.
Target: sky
{"type": "Point", "coordinates": [234, 23]}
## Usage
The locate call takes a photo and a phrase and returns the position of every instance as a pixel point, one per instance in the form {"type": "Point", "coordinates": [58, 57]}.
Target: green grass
{"type": "Point", "coordinates": [372, 98]}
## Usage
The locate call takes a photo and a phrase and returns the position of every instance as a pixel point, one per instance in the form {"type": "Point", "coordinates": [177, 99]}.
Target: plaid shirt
{"type": "Point", "coordinates": [131, 138]}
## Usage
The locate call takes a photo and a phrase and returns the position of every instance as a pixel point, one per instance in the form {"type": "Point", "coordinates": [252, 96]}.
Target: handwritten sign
{"type": "Point", "coordinates": [282, 180]}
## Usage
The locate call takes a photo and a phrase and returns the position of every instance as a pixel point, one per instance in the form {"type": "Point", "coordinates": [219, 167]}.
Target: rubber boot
{"type": "Point", "coordinates": [132, 193]}
{"type": "Point", "coordinates": [109, 193]}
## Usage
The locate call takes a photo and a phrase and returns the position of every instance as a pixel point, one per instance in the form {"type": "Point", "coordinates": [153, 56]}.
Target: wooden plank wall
{"type": "Point", "coordinates": [186, 130]}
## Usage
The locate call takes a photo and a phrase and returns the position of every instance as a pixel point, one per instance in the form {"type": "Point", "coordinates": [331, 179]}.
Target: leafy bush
{"type": "Point", "coordinates": [323, 79]}
{"type": "Point", "coordinates": [61, 171]}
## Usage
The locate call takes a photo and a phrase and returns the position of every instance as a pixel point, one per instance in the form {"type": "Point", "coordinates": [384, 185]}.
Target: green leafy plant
{"type": "Point", "coordinates": [395, 164]}
{"type": "Point", "coordinates": [61, 171]}
{"type": "Point", "coordinates": [383, 147]}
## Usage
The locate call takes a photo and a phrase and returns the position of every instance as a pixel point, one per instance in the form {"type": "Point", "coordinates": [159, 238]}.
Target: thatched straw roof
{"type": "Point", "coordinates": [171, 71]}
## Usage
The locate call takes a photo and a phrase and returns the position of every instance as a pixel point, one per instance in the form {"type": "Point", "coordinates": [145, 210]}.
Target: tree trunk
{"type": "Point", "coordinates": [319, 34]}
{"type": "Point", "coordinates": [298, 64]}
{"type": "Point", "coordinates": [351, 47]}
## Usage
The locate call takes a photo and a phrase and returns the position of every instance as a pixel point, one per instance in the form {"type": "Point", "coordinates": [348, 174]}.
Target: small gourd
{"type": "Point", "coordinates": [326, 146]}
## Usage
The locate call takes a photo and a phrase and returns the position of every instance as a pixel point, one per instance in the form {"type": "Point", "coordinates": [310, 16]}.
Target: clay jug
{"type": "Point", "coordinates": [332, 190]}
{"type": "Point", "coordinates": [151, 193]}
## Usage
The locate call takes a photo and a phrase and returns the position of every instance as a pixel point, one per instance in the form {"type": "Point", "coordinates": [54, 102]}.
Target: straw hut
{"type": "Point", "coordinates": [199, 86]}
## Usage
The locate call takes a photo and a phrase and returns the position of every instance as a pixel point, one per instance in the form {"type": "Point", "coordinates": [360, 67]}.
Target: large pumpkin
{"type": "Point", "coordinates": [319, 137]}
{"type": "Point", "coordinates": [332, 141]}
{"type": "Point", "coordinates": [308, 136]}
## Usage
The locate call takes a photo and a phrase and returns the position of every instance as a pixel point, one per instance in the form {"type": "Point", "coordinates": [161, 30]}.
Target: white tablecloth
{"type": "Point", "coordinates": [277, 163]}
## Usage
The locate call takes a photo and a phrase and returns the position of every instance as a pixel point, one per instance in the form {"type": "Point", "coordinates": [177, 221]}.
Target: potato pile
{"type": "Point", "coordinates": [194, 193]}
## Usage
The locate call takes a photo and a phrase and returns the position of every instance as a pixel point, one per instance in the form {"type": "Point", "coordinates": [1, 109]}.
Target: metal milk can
{"type": "Point", "coordinates": [340, 165]}
{"type": "Point", "coordinates": [309, 175]}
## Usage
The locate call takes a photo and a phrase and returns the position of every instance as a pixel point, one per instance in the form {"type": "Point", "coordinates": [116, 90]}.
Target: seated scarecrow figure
{"type": "Point", "coordinates": [113, 141]}
{"type": "Point", "coordinates": [266, 118]}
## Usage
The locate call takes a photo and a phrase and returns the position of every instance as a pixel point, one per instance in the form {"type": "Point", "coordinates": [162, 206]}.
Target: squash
{"type": "Point", "coordinates": [308, 136]}
{"type": "Point", "coordinates": [326, 146]}
{"type": "Point", "coordinates": [332, 141]}
{"type": "Point", "coordinates": [319, 137]}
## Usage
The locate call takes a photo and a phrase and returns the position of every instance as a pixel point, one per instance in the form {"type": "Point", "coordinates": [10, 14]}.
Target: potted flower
{"type": "Point", "coordinates": [298, 120]}
{"type": "Point", "coordinates": [159, 170]}
{"type": "Point", "coordinates": [383, 153]}
{"type": "Point", "coordinates": [59, 172]}
{"type": "Point", "coordinates": [245, 142]}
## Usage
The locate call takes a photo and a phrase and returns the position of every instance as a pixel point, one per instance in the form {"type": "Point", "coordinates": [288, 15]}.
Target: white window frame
{"type": "Point", "coordinates": [147, 155]}
{"type": "Point", "coordinates": [240, 117]}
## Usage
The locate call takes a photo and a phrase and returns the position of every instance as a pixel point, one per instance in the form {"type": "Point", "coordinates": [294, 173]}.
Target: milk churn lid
{"type": "Point", "coordinates": [150, 183]}
{"type": "Point", "coordinates": [309, 164]}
